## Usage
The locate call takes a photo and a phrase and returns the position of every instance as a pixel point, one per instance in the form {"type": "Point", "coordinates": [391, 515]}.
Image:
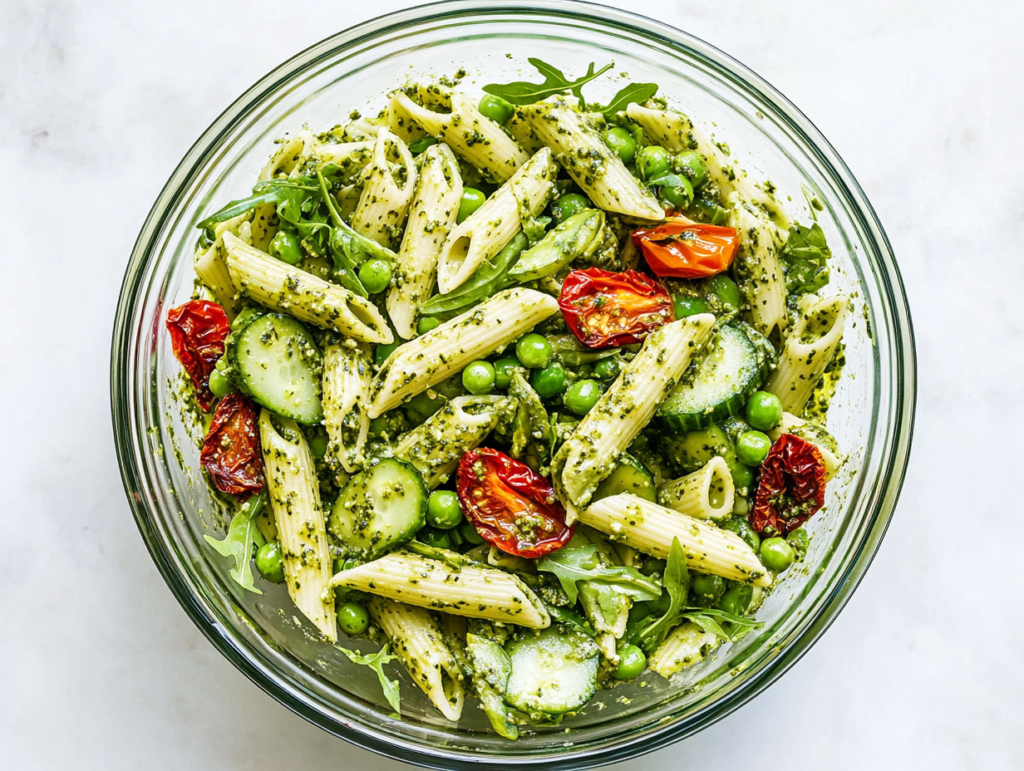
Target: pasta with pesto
{"type": "Point", "coordinates": [527, 384]}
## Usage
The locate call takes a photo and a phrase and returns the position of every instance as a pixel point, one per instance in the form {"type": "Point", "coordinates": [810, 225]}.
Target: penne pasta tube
{"type": "Point", "coordinates": [473, 590]}
{"type": "Point", "coordinates": [477, 140]}
{"type": "Point", "coordinates": [295, 500]}
{"type": "Point", "coordinates": [489, 229]}
{"type": "Point", "coordinates": [431, 217]}
{"type": "Point", "coordinates": [808, 349]}
{"type": "Point", "coordinates": [651, 527]}
{"type": "Point", "coordinates": [435, 447]}
{"type": "Point", "coordinates": [579, 148]}
{"type": "Point", "coordinates": [687, 645]}
{"type": "Point", "coordinates": [592, 451]}
{"type": "Point", "coordinates": [707, 493]}
{"type": "Point", "coordinates": [428, 359]}
{"type": "Point", "coordinates": [346, 384]}
{"type": "Point", "coordinates": [816, 435]}
{"type": "Point", "coordinates": [390, 180]}
{"type": "Point", "coordinates": [285, 288]}
{"type": "Point", "coordinates": [757, 269]}
{"type": "Point", "coordinates": [416, 638]}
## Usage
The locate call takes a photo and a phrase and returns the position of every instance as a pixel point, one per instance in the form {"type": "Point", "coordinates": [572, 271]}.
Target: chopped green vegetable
{"type": "Point", "coordinates": [580, 563]}
{"type": "Point", "coordinates": [804, 259]}
{"type": "Point", "coordinates": [238, 543]}
{"type": "Point", "coordinates": [376, 662]}
{"type": "Point", "coordinates": [555, 82]}
{"type": "Point", "coordinates": [634, 92]}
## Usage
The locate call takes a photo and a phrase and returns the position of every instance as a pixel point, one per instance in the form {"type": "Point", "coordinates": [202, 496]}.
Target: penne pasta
{"type": "Point", "coordinates": [346, 384]}
{"type": "Point", "coordinates": [390, 180]}
{"type": "Point", "coordinates": [687, 645]}
{"type": "Point", "coordinates": [757, 269]}
{"type": "Point", "coordinates": [707, 493]}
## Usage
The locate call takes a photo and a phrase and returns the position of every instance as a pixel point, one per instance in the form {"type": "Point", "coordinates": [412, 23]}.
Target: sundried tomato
{"type": "Point", "coordinates": [198, 330]}
{"type": "Point", "coordinates": [511, 505]}
{"type": "Point", "coordinates": [683, 249]}
{"type": "Point", "coordinates": [605, 309]}
{"type": "Point", "coordinates": [792, 486]}
{"type": "Point", "coordinates": [231, 452]}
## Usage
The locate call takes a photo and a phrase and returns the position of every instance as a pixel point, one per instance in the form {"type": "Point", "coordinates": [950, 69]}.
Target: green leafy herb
{"type": "Point", "coordinates": [376, 662]}
{"type": "Point", "coordinates": [707, 619]}
{"type": "Point", "coordinates": [266, 192]}
{"type": "Point", "coordinates": [532, 422]}
{"type": "Point", "coordinates": [580, 563]}
{"type": "Point", "coordinates": [634, 92]}
{"type": "Point", "coordinates": [488, 279]}
{"type": "Point", "coordinates": [805, 258]}
{"type": "Point", "coordinates": [677, 584]}
{"type": "Point", "coordinates": [238, 543]}
{"type": "Point", "coordinates": [570, 617]}
{"type": "Point", "coordinates": [555, 82]}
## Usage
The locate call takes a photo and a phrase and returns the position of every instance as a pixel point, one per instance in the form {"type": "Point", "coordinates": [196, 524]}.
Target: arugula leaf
{"type": "Point", "coordinates": [580, 563]}
{"type": "Point", "coordinates": [570, 617]}
{"type": "Point", "coordinates": [376, 662]}
{"type": "Point", "coordinates": [238, 543]}
{"type": "Point", "coordinates": [265, 192]}
{"type": "Point", "coordinates": [804, 259]}
{"type": "Point", "coordinates": [487, 280]}
{"type": "Point", "coordinates": [555, 82]}
{"type": "Point", "coordinates": [705, 618]}
{"type": "Point", "coordinates": [634, 92]}
{"type": "Point", "coordinates": [677, 584]}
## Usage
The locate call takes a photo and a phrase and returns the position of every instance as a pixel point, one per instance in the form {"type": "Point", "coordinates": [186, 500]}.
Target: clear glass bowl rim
{"type": "Point", "coordinates": [896, 455]}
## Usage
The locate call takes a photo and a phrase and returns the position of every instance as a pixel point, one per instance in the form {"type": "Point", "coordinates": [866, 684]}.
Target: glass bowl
{"type": "Point", "coordinates": [156, 441]}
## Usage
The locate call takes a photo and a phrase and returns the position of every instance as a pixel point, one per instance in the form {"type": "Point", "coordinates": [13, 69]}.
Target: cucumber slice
{"type": "Point", "coordinates": [553, 672]}
{"type": "Point", "coordinates": [275, 361]}
{"type": "Point", "coordinates": [696, 448]}
{"type": "Point", "coordinates": [381, 507]}
{"type": "Point", "coordinates": [732, 369]}
{"type": "Point", "coordinates": [630, 476]}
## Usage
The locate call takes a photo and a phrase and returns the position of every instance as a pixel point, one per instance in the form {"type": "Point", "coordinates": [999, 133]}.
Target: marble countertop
{"type": "Point", "coordinates": [100, 668]}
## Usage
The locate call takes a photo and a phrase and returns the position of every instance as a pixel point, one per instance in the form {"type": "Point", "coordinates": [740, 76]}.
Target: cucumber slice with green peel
{"type": "Point", "coordinates": [380, 508]}
{"type": "Point", "coordinates": [553, 671]}
{"type": "Point", "coordinates": [629, 476]}
{"type": "Point", "coordinates": [275, 361]}
{"type": "Point", "coordinates": [692, 451]}
{"type": "Point", "coordinates": [732, 368]}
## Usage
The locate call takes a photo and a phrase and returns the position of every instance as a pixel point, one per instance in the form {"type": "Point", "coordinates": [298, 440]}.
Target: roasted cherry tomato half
{"type": "Point", "coordinates": [231, 452]}
{"type": "Point", "coordinates": [198, 330]}
{"type": "Point", "coordinates": [792, 487]}
{"type": "Point", "coordinates": [605, 309]}
{"type": "Point", "coordinates": [512, 506]}
{"type": "Point", "coordinates": [683, 249]}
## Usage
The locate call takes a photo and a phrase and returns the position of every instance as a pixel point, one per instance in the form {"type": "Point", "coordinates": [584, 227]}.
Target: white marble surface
{"type": "Point", "coordinates": [99, 667]}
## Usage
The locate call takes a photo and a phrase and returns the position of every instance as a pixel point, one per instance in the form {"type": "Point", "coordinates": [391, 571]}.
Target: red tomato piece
{"type": "Point", "coordinates": [792, 486]}
{"type": "Point", "coordinates": [511, 505]}
{"type": "Point", "coordinates": [605, 309]}
{"type": "Point", "coordinates": [231, 452]}
{"type": "Point", "coordinates": [198, 330]}
{"type": "Point", "coordinates": [684, 249]}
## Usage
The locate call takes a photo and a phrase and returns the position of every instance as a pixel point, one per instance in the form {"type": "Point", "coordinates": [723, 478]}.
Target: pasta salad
{"type": "Point", "coordinates": [527, 390]}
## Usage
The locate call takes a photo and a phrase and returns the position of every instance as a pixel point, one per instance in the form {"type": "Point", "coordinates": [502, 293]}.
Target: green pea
{"type": "Point", "coordinates": [621, 142]}
{"type": "Point", "coordinates": [708, 211]}
{"type": "Point", "coordinates": [439, 539]}
{"type": "Point", "coordinates": [727, 291]}
{"type": "Point", "coordinates": [632, 662]}
{"type": "Point", "coordinates": [469, 533]}
{"type": "Point", "coordinates": [777, 554]}
{"type": "Point", "coordinates": [653, 161]}
{"type": "Point", "coordinates": [285, 247]}
{"type": "Point", "coordinates": [764, 410]}
{"type": "Point", "coordinates": [692, 166]}
{"type": "Point", "coordinates": [549, 381]}
{"type": "Point", "coordinates": [582, 396]}
{"type": "Point", "coordinates": [418, 146]}
{"type": "Point", "coordinates": [608, 369]}
{"type": "Point", "coordinates": [800, 540]}
{"type": "Point", "coordinates": [567, 205]}
{"type": "Point", "coordinates": [707, 588]}
{"type": "Point", "coordinates": [479, 377]}
{"type": "Point", "coordinates": [353, 618]}
{"type": "Point", "coordinates": [220, 384]}
{"type": "Point", "coordinates": [653, 566]}
{"type": "Point", "coordinates": [504, 368]}
{"type": "Point", "coordinates": [737, 599]}
{"type": "Point", "coordinates": [343, 563]}
{"type": "Point", "coordinates": [472, 199]}
{"type": "Point", "coordinates": [743, 529]}
{"type": "Point", "coordinates": [375, 275]}
{"type": "Point", "coordinates": [443, 510]}
{"type": "Point", "coordinates": [688, 306]}
{"type": "Point", "coordinates": [495, 108]}
{"type": "Point", "coordinates": [426, 323]}
{"type": "Point", "coordinates": [533, 351]}
{"type": "Point", "coordinates": [381, 353]}
{"type": "Point", "coordinates": [318, 444]}
{"type": "Point", "coordinates": [678, 195]}
{"type": "Point", "coordinates": [752, 447]}
{"type": "Point", "coordinates": [270, 561]}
